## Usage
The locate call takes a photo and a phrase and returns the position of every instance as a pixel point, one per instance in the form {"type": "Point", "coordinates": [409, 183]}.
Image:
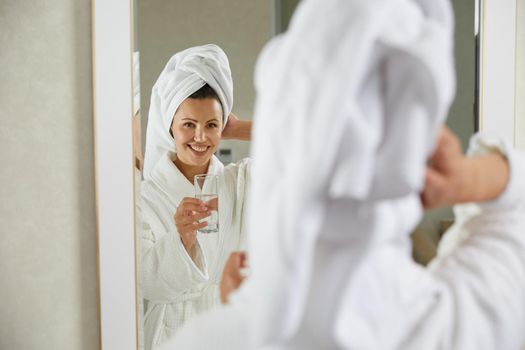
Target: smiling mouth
{"type": "Point", "coordinates": [199, 148]}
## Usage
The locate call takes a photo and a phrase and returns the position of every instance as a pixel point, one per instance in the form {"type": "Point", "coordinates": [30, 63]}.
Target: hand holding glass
{"type": "Point", "coordinates": [206, 189]}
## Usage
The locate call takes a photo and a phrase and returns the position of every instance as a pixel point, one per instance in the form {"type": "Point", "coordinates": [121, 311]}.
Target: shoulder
{"type": "Point", "coordinates": [235, 176]}
{"type": "Point", "coordinates": [241, 168]}
{"type": "Point", "coordinates": [245, 162]}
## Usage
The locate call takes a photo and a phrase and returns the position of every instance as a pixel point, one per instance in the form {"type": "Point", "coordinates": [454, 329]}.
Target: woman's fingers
{"type": "Point", "coordinates": [199, 225]}
{"type": "Point", "coordinates": [435, 191]}
{"type": "Point", "coordinates": [443, 180]}
{"type": "Point", "coordinates": [187, 218]}
{"type": "Point", "coordinates": [200, 216]}
{"type": "Point", "coordinates": [190, 200]}
{"type": "Point", "coordinates": [232, 276]}
{"type": "Point", "coordinates": [190, 210]}
{"type": "Point", "coordinates": [192, 227]}
{"type": "Point", "coordinates": [187, 207]}
{"type": "Point", "coordinates": [194, 217]}
{"type": "Point", "coordinates": [213, 204]}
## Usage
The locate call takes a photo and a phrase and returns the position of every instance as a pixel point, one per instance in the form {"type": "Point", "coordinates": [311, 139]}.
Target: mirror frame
{"type": "Point", "coordinates": [112, 40]}
{"type": "Point", "coordinates": [498, 50]}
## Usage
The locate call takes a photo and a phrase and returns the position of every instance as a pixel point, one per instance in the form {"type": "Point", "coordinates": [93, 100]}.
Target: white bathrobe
{"type": "Point", "coordinates": [370, 83]}
{"type": "Point", "coordinates": [174, 286]}
{"type": "Point", "coordinates": [349, 103]}
{"type": "Point", "coordinates": [471, 296]}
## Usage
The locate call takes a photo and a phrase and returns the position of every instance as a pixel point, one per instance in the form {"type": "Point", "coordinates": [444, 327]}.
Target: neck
{"type": "Point", "coordinates": [189, 171]}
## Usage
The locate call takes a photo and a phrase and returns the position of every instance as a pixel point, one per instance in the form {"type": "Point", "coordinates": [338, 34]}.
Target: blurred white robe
{"type": "Point", "coordinates": [174, 286]}
{"type": "Point", "coordinates": [349, 103]}
{"type": "Point", "coordinates": [471, 296]}
{"type": "Point", "coordinates": [370, 84]}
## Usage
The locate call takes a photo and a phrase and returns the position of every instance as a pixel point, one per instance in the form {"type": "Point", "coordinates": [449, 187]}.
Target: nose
{"type": "Point", "coordinates": [200, 135]}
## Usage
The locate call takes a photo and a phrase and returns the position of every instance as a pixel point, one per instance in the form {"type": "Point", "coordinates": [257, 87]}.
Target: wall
{"type": "Point", "coordinates": [47, 213]}
{"type": "Point", "coordinates": [520, 76]}
{"type": "Point", "coordinates": [240, 27]}
{"type": "Point", "coordinates": [461, 114]}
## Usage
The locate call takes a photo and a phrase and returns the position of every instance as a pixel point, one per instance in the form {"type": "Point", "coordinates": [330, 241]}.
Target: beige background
{"type": "Point", "coordinates": [520, 77]}
{"type": "Point", "coordinates": [47, 210]}
{"type": "Point", "coordinates": [48, 265]}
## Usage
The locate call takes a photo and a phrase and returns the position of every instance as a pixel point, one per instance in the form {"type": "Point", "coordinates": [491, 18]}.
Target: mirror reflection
{"type": "Point", "coordinates": [197, 93]}
{"type": "Point", "coordinates": [194, 63]}
{"type": "Point", "coordinates": [187, 231]}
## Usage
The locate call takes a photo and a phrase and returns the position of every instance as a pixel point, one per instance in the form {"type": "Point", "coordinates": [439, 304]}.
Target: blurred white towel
{"type": "Point", "coordinates": [349, 103]}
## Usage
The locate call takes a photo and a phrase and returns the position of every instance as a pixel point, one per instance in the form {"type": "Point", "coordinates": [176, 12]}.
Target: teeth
{"type": "Point", "coordinates": [198, 148]}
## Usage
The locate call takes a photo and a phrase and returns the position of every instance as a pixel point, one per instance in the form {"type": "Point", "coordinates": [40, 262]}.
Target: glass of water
{"type": "Point", "coordinates": [206, 189]}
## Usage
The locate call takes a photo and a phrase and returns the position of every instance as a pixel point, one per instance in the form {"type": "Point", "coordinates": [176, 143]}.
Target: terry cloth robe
{"type": "Point", "coordinates": [471, 296]}
{"type": "Point", "coordinates": [349, 102]}
{"type": "Point", "coordinates": [175, 287]}
{"type": "Point", "coordinates": [370, 84]}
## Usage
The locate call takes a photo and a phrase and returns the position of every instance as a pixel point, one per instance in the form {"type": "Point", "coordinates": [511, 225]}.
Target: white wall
{"type": "Point", "coordinates": [48, 265]}
{"type": "Point", "coordinates": [499, 73]}
{"type": "Point", "coordinates": [47, 210]}
{"type": "Point", "coordinates": [520, 77]}
{"type": "Point", "coordinates": [240, 27]}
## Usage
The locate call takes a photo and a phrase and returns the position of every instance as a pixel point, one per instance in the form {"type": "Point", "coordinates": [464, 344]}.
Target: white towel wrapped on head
{"type": "Point", "coordinates": [361, 87]}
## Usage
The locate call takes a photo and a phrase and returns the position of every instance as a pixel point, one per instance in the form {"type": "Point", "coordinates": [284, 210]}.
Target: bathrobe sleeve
{"type": "Point", "coordinates": [481, 262]}
{"type": "Point", "coordinates": [167, 270]}
{"type": "Point", "coordinates": [237, 177]}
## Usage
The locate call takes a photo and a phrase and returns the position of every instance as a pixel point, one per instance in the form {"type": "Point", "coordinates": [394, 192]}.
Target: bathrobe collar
{"type": "Point", "coordinates": [170, 179]}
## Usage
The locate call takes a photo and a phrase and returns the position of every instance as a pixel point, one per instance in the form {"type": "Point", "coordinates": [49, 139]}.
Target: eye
{"type": "Point", "coordinates": [213, 125]}
{"type": "Point", "coordinates": [188, 125]}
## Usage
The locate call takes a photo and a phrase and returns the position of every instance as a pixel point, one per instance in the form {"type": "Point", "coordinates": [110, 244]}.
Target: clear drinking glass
{"type": "Point", "coordinates": [207, 190]}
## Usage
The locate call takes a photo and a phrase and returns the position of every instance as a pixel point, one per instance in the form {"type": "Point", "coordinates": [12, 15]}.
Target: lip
{"type": "Point", "coordinates": [197, 152]}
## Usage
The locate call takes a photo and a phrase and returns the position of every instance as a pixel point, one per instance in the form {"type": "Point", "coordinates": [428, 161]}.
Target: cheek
{"type": "Point", "coordinates": [180, 136]}
{"type": "Point", "coordinates": [215, 136]}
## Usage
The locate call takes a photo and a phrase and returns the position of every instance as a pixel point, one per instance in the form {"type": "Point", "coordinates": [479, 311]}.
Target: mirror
{"type": "Point", "coordinates": [163, 28]}
{"type": "Point", "coordinates": [179, 275]}
{"type": "Point", "coordinates": [501, 81]}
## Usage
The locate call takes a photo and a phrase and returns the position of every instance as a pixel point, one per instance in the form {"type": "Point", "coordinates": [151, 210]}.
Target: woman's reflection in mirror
{"type": "Point", "coordinates": [190, 112]}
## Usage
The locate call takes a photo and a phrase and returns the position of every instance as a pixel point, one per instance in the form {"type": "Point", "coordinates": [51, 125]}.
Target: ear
{"type": "Point", "coordinates": [172, 124]}
{"type": "Point", "coordinates": [171, 127]}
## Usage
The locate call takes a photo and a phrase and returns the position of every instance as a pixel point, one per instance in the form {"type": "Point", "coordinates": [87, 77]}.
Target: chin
{"type": "Point", "coordinates": [200, 163]}
{"type": "Point", "coordinates": [196, 161]}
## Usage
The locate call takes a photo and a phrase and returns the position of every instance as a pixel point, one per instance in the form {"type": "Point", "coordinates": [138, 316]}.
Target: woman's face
{"type": "Point", "coordinates": [197, 128]}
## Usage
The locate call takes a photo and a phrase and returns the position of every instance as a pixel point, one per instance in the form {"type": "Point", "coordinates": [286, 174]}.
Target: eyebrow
{"type": "Point", "coordinates": [196, 121]}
